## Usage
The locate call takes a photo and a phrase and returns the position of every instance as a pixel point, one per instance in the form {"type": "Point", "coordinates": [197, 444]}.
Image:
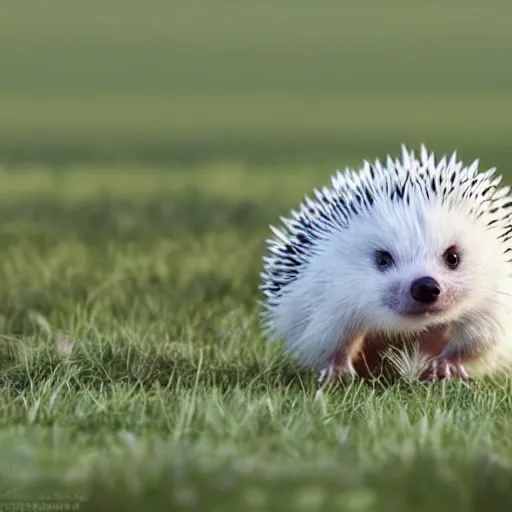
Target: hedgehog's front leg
{"type": "Point", "coordinates": [468, 345]}
{"type": "Point", "coordinates": [340, 362]}
{"type": "Point", "coordinates": [340, 365]}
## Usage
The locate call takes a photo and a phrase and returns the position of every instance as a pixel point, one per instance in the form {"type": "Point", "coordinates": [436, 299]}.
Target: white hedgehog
{"type": "Point", "coordinates": [417, 250]}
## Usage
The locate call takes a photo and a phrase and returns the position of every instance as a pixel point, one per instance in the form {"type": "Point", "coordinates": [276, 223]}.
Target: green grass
{"type": "Point", "coordinates": [133, 372]}
{"type": "Point", "coordinates": [258, 82]}
{"type": "Point", "coordinates": [146, 147]}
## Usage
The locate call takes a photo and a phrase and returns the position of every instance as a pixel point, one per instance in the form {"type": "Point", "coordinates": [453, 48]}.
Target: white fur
{"type": "Point", "coordinates": [338, 291]}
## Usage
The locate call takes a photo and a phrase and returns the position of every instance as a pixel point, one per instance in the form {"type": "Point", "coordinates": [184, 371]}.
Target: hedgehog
{"type": "Point", "coordinates": [415, 252]}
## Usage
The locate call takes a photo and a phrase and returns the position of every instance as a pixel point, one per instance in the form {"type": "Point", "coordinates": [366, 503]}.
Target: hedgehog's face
{"type": "Point", "coordinates": [418, 292]}
{"type": "Point", "coordinates": [423, 268]}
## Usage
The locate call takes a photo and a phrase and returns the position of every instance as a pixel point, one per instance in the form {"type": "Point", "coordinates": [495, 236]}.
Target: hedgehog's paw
{"type": "Point", "coordinates": [444, 369]}
{"type": "Point", "coordinates": [335, 369]}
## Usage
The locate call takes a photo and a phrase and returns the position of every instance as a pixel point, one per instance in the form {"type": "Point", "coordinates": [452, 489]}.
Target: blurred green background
{"type": "Point", "coordinates": [187, 81]}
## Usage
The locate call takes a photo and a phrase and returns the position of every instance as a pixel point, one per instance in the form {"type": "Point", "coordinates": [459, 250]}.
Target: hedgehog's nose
{"type": "Point", "coordinates": [425, 290]}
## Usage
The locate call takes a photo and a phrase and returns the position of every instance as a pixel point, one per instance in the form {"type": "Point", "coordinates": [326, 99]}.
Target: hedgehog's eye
{"type": "Point", "coordinates": [383, 259]}
{"type": "Point", "coordinates": [451, 257]}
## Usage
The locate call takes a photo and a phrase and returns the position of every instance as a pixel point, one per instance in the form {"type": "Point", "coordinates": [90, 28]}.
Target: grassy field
{"type": "Point", "coordinates": [144, 149]}
{"type": "Point", "coordinates": [134, 374]}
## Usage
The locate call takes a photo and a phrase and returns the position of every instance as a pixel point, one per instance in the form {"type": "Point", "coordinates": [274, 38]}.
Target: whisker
{"type": "Point", "coordinates": [492, 290]}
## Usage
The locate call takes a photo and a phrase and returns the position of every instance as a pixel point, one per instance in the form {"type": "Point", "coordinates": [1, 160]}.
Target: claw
{"type": "Point", "coordinates": [444, 369]}
{"type": "Point", "coordinates": [335, 369]}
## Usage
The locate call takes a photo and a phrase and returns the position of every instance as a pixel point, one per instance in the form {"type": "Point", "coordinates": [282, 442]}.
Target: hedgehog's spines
{"type": "Point", "coordinates": [408, 158]}
{"type": "Point", "coordinates": [423, 154]}
{"type": "Point", "coordinates": [473, 168]}
{"type": "Point", "coordinates": [352, 193]}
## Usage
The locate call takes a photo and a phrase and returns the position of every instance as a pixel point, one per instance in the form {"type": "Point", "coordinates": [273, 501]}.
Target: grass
{"type": "Point", "coordinates": [146, 147]}
{"type": "Point", "coordinates": [133, 373]}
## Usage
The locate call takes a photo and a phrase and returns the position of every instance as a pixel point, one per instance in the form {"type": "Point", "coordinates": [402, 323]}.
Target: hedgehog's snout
{"type": "Point", "coordinates": [425, 290]}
